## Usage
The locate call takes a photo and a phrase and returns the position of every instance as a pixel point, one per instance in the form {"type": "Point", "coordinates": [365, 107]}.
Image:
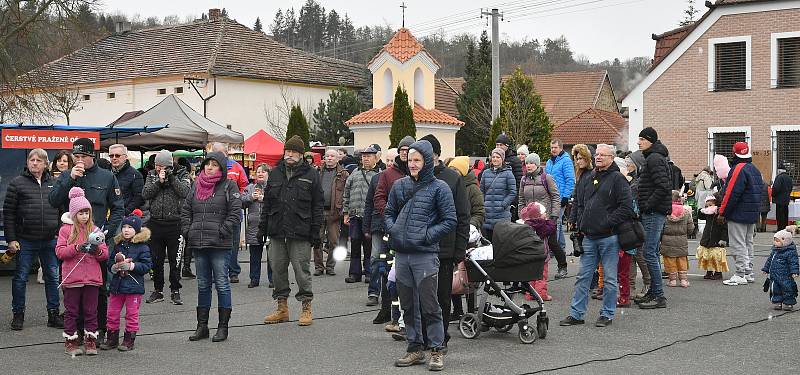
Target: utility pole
{"type": "Point", "coordinates": [496, 17]}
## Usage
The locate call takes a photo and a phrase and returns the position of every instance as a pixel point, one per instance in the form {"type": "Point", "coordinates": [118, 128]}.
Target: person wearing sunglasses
{"type": "Point", "coordinates": [130, 180]}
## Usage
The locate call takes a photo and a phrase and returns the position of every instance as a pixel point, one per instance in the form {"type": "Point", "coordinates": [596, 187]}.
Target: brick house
{"type": "Point", "coordinates": [734, 75]}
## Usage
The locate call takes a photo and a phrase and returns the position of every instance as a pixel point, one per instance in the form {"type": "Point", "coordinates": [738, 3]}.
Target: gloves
{"type": "Point", "coordinates": [85, 248]}
{"type": "Point", "coordinates": [474, 234]}
{"type": "Point", "coordinates": [94, 249]}
{"type": "Point", "coordinates": [564, 202]}
{"type": "Point", "coordinates": [723, 243]}
{"type": "Point", "coordinates": [261, 236]}
{"type": "Point", "coordinates": [315, 241]}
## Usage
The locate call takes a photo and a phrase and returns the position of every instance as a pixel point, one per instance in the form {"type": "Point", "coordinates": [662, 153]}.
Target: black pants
{"type": "Point", "coordinates": [782, 215]}
{"type": "Point", "coordinates": [445, 292]}
{"type": "Point", "coordinates": [558, 252]}
{"type": "Point", "coordinates": [164, 243]}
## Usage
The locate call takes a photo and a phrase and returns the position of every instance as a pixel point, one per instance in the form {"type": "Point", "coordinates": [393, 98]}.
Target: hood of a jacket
{"type": "Point", "coordinates": [559, 156]}
{"type": "Point", "coordinates": [470, 179]}
{"type": "Point", "coordinates": [66, 219]}
{"type": "Point", "coordinates": [425, 148]}
{"type": "Point", "coordinates": [657, 148]}
{"type": "Point", "coordinates": [141, 237]}
{"type": "Point", "coordinates": [535, 173]}
{"type": "Point", "coordinates": [401, 165]}
{"type": "Point", "coordinates": [221, 160]}
{"type": "Point", "coordinates": [790, 247]}
{"type": "Point", "coordinates": [125, 165]}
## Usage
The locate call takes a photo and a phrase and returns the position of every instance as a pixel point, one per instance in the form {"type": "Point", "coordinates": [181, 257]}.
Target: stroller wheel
{"type": "Point", "coordinates": [468, 326]}
{"type": "Point", "coordinates": [541, 326]}
{"type": "Point", "coordinates": [504, 328]}
{"type": "Point", "coordinates": [527, 333]}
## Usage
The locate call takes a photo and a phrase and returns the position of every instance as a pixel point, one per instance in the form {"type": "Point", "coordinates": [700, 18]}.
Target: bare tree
{"type": "Point", "coordinates": [63, 101]}
{"type": "Point", "coordinates": [277, 114]}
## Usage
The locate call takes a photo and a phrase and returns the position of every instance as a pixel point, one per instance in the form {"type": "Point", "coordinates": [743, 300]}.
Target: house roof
{"type": "Point", "coordinates": [564, 94]}
{"type": "Point", "coordinates": [402, 46]}
{"type": "Point", "coordinates": [218, 47]}
{"type": "Point", "coordinates": [593, 125]}
{"type": "Point", "coordinates": [421, 115]}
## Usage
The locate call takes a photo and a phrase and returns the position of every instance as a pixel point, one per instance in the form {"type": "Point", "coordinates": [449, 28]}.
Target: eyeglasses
{"type": "Point", "coordinates": [605, 155]}
{"type": "Point", "coordinates": [114, 156]}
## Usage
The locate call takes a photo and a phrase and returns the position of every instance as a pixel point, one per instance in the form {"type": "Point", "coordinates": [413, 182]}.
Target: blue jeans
{"type": "Point", "coordinates": [233, 255]}
{"type": "Point", "coordinates": [653, 224]}
{"type": "Point", "coordinates": [377, 267]}
{"type": "Point", "coordinates": [605, 251]}
{"type": "Point", "coordinates": [417, 287]}
{"type": "Point", "coordinates": [256, 253]}
{"type": "Point", "coordinates": [208, 264]}
{"type": "Point", "coordinates": [560, 230]}
{"type": "Point", "coordinates": [46, 251]}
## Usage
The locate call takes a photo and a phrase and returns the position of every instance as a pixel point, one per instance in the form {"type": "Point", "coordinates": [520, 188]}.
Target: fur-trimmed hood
{"type": "Point", "coordinates": [141, 237]}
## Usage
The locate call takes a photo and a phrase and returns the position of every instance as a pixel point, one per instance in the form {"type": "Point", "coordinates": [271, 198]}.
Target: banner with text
{"type": "Point", "coordinates": [46, 139]}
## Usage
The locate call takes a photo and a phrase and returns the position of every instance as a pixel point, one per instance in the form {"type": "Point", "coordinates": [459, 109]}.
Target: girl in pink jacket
{"type": "Point", "coordinates": [81, 247]}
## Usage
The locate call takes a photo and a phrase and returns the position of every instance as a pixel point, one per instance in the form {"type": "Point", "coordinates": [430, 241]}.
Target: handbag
{"type": "Point", "coordinates": [630, 234]}
{"type": "Point", "coordinates": [460, 281]}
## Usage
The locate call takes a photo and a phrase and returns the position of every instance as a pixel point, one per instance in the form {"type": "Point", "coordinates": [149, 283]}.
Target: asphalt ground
{"type": "Point", "coordinates": [708, 328]}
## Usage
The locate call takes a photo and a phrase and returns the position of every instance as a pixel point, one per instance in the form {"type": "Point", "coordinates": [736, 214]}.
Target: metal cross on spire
{"type": "Point", "coordinates": [403, 7]}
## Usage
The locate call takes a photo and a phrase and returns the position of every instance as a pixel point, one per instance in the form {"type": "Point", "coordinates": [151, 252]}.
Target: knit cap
{"type": "Point", "coordinates": [295, 144]}
{"type": "Point", "coordinates": [437, 147]}
{"type": "Point", "coordinates": [501, 152]}
{"type": "Point", "coordinates": [164, 158]}
{"type": "Point", "coordinates": [533, 210]}
{"type": "Point", "coordinates": [784, 237]}
{"type": "Point", "coordinates": [461, 164]}
{"type": "Point", "coordinates": [523, 150]}
{"type": "Point", "coordinates": [407, 141]}
{"type": "Point", "coordinates": [134, 220]}
{"type": "Point", "coordinates": [77, 201]}
{"type": "Point", "coordinates": [649, 134]}
{"type": "Point", "coordinates": [533, 159]}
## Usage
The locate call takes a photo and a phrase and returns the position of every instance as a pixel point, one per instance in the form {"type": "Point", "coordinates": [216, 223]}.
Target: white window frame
{"type": "Point", "coordinates": [726, 129]}
{"type": "Point", "coordinates": [773, 55]}
{"type": "Point", "coordinates": [774, 129]}
{"type": "Point", "coordinates": [712, 42]}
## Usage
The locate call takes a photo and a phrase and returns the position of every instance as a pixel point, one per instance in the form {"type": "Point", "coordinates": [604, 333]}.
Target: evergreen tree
{"type": "Point", "coordinates": [330, 115]}
{"type": "Point", "coordinates": [689, 14]}
{"type": "Point", "coordinates": [298, 125]}
{"type": "Point", "coordinates": [278, 27]}
{"type": "Point", "coordinates": [257, 26]}
{"type": "Point", "coordinates": [474, 103]}
{"type": "Point", "coordinates": [494, 132]}
{"type": "Point", "coordinates": [522, 116]}
{"type": "Point", "coordinates": [402, 118]}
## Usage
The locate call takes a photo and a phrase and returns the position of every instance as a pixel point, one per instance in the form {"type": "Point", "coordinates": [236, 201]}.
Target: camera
{"type": "Point", "coordinates": [169, 169]}
{"type": "Point", "coordinates": [577, 243]}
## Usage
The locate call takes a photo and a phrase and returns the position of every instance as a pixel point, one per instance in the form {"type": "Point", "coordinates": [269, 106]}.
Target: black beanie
{"type": "Point", "coordinates": [503, 138]}
{"type": "Point", "coordinates": [649, 134]}
{"type": "Point", "coordinates": [437, 147]}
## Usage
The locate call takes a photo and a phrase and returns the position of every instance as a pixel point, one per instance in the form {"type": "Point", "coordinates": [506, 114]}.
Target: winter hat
{"type": "Point", "coordinates": [83, 146]}
{"type": "Point", "coordinates": [649, 134]}
{"type": "Point", "coordinates": [784, 237]}
{"type": "Point", "coordinates": [638, 159]}
{"type": "Point", "coordinates": [499, 151]}
{"type": "Point", "coordinates": [523, 150]}
{"type": "Point", "coordinates": [164, 158]}
{"type": "Point", "coordinates": [407, 141]}
{"type": "Point", "coordinates": [134, 220]}
{"type": "Point", "coordinates": [503, 138]}
{"type": "Point", "coordinates": [721, 166]}
{"type": "Point", "coordinates": [742, 150]}
{"type": "Point", "coordinates": [461, 164]}
{"type": "Point", "coordinates": [533, 210]}
{"type": "Point", "coordinates": [77, 201]}
{"type": "Point", "coordinates": [295, 144]}
{"type": "Point", "coordinates": [710, 197]}
{"type": "Point", "coordinates": [621, 164]}
{"type": "Point", "coordinates": [533, 159]}
{"type": "Point", "coordinates": [437, 147]}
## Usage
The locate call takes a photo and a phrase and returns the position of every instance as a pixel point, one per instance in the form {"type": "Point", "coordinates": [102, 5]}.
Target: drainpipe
{"type": "Point", "coordinates": [205, 100]}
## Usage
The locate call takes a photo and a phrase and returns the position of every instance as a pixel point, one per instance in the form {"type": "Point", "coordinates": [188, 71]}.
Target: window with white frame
{"type": "Point", "coordinates": [729, 64]}
{"type": "Point", "coordinates": [785, 59]}
{"type": "Point", "coordinates": [786, 151]}
{"type": "Point", "coordinates": [722, 139]}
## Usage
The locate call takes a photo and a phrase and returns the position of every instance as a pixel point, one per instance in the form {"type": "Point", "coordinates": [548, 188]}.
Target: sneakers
{"type": "Point", "coordinates": [709, 275]}
{"type": "Point", "coordinates": [253, 284]}
{"type": "Point", "coordinates": [570, 321]}
{"type": "Point", "coordinates": [187, 272]}
{"type": "Point", "coordinates": [156, 296]}
{"type": "Point", "coordinates": [655, 303]}
{"type": "Point", "coordinates": [330, 273]}
{"type": "Point", "coordinates": [410, 359]}
{"type": "Point", "coordinates": [400, 335]}
{"type": "Point", "coordinates": [788, 307]}
{"type": "Point", "coordinates": [372, 301]}
{"type": "Point", "coordinates": [603, 322]}
{"type": "Point", "coordinates": [352, 279]}
{"type": "Point", "coordinates": [561, 273]}
{"type": "Point", "coordinates": [750, 278]}
{"type": "Point", "coordinates": [175, 296]}
{"type": "Point", "coordinates": [437, 361]}
{"type": "Point", "coordinates": [318, 272]}
{"type": "Point", "coordinates": [642, 298]}
{"type": "Point", "coordinates": [392, 327]}
{"type": "Point", "coordinates": [735, 280]}
{"type": "Point", "coordinates": [777, 306]}
{"type": "Point", "coordinates": [234, 279]}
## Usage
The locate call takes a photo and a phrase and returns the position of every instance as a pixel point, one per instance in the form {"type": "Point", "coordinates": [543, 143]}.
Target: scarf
{"type": "Point", "coordinates": [205, 185]}
{"type": "Point", "coordinates": [677, 209]}
{"type": "Point", "coordinates": [710, 210]}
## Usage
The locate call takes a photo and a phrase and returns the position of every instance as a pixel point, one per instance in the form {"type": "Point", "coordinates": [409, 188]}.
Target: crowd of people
{"type": "Point", "coordinates": [407, 219]}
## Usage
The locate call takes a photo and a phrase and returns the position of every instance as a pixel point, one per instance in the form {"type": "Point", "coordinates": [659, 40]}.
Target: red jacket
{"type": "Point", "coordinates": [237, 174]}
{"type": "Point", "coordinates": [77, 272]}
{"type": "Point", "coordinates": [385, 182]}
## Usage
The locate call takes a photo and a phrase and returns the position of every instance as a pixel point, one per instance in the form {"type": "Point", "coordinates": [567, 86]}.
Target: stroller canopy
{"type": "Point", "coordinates": [515, 244]}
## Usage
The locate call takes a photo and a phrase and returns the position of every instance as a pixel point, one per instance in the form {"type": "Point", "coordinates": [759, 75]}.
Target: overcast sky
{"type": "Point", "coordinates": [598, 29]}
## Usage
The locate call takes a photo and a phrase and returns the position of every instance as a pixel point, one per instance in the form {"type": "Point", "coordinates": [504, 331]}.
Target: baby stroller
{"type": "Point", "coordinates": [517, 255]}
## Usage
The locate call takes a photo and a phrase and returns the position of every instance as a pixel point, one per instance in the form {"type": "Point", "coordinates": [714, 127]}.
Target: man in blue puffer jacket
{"type": "Point", "coordinates": [741, 208]}
{"type": "Point", "coordinates": [419, 212]}
{"type": "Point", "coordinates": [563, 171]}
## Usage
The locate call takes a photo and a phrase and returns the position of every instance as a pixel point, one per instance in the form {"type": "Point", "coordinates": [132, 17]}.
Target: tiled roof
{"type": "Point", "coordinates": [445, 100]}
{"type": "Point", "coordinates": [593, 126]}
{"type": "Point", "coordinates": [668, 40]}
{"type": "Point", "coordinates": [402, 46]}
{"type": "Point", "coordinates": [218, 47]}
{"type": "Point", "coordinates": [421, 115]}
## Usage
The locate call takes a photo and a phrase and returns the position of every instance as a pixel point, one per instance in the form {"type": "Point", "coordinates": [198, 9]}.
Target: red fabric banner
{"type": "Point", "coordinates": [46, 139]}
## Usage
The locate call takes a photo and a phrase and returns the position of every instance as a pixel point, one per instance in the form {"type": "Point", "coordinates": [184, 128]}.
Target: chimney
{"type": "Point", "coordinates": [122, 27]}
{"type": "Point", "coordinates": [214, 14]}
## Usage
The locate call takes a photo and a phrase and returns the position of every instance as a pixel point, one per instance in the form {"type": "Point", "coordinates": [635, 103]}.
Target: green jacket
{"type": "Point", "coordinates": [477, 212]}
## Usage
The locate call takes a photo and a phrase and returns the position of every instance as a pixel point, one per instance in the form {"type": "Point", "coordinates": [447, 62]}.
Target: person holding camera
{"type": "Point", "coordinates": [164, 190]}
{"type": "Point", "coordinates": [603, 201]}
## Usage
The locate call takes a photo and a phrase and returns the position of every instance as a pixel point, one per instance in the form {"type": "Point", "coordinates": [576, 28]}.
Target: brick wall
{"type": "Point", "coordinates": [680, 107]}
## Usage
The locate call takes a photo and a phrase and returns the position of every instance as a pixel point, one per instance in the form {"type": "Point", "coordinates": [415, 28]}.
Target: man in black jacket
{"type": "Point", "coordinates": [781, 191]}
{"type": "Point", "coordinates": [605, 202]}
{"type": "Point", "coordinates": [453, 246]}
{"type": "Point", "coordinates": [31, 226]}
{"type": "Point", "coordinates": [655, 203]}
{"type": "Point", "coordinates": [504, 142]}
{"type": "Point", "coordinates": [291, 218]}
{"type": "Point", "coordinates": [130, 180]}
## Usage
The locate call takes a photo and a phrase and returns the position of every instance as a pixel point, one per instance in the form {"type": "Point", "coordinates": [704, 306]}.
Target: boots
{"type": "Point", "coordinates": [684, 279]}
{"type": "Point", "coordinates": [187, 272]}
{"type": "Point", "coordinates": [101, 336]}
{"type": "Point", "coordinates": [90, 343]}
{"type": "Point", "coordinates": [709, 275]}
{"type": "Point", "coordinates": [17, 321]}
{"type": "Point", "coordinates": [112, 341]}
{"type": "Point", "coordinates": [71, 346]}
{"type": "Point", "coordinates": [305, 315]}
{"type": "Point", "coordinates": [280, 315]}
{"type": "Point", "coordinates": [673, 279]}
{"type": "Point", "coordinates": [54, 320]}
{"type": "Point", "coordinates": [222, 327]}
{"type": "Point", "coordinates": [202, 325]}
{"type": "Point", "coordinates": [127, 341]}
{"type": "Point", "coordinates": [383, 316]}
